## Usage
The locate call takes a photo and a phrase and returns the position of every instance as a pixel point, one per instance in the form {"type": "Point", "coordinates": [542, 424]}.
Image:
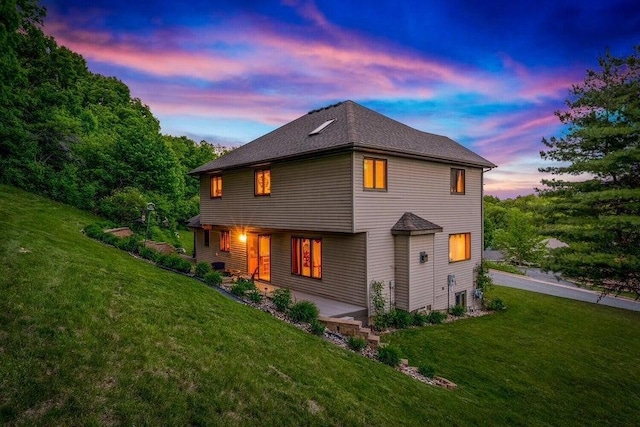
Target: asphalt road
{"type": "Point", "coordinates": [549, 286]}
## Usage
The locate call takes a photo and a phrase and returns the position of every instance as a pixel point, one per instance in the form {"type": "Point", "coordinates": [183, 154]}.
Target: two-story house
{"type": "Point", "coordinates": [344, 196]}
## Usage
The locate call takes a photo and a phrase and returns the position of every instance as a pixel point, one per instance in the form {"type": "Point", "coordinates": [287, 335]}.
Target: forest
{"type": "Point", "coordinates": [81, 138]}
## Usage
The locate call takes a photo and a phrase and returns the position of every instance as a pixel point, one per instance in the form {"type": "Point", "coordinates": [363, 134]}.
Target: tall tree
{"type": "Point", "coordinates": [598, 211]}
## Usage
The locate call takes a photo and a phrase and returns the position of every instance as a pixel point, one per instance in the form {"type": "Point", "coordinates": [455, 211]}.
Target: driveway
{"type": "Point", "coordinates": [547, 284]}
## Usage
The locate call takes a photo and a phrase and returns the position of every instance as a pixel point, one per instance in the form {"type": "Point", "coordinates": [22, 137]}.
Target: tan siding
{"type": "Point", "coordinates": [235, 259]}
{"type": "Point", "coordinates": [313, 194]}
{"type": "Point", "coordinates": [402, 257]}
{"type": "Point", "coordinates": [421, 292]}
{"type": "Point", "coordinates": [422, 188]}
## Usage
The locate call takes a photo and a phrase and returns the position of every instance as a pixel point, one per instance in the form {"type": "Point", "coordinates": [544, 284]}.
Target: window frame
{"type": "Point", "coordinates": [256, 173]}
{"type": "Point", "coordinates": [462, 296]}
{"type": "Point", "coordinates": [225, 241]}
{"type": "Point", "coordinates": [467, 248]}
{"type": "Point", "coordinates": [217, 193]}
{"type": "Point", "coordinates": [297, 254]}
{"type": "Point", "coordinates": [454, 181]}
{"type": "Point", "coordinates": [374, 180]}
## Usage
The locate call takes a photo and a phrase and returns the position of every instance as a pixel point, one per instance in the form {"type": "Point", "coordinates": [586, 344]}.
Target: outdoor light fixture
{"type": "Point", "coordinates": [243, 237]}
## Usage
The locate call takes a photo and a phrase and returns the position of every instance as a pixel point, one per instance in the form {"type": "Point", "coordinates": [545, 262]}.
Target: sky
{"type": "Point", "coordinates": [488, 74]}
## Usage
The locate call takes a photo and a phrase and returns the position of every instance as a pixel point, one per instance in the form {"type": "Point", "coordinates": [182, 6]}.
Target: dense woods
{"type": "Point", "coordinates": [79, 137]}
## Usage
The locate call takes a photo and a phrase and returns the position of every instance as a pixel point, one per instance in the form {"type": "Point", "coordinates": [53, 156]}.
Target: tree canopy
{"type": "Point", "coordinates": [79, 137]}
{"type": "Point", "coordinates": [597, 211]}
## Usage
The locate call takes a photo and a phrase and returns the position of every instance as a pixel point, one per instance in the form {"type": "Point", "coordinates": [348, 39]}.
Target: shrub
{"type": "Point", "coordinates": [427, 371]}
{"type": "Point", "coordinates": [148, 253]}
{"type": "Point", "coordinates": [419, 319]}
{"type": "Point", "coordinates": [174, 262]}
{"type": "Point", "coordinates": [382, 321]}
{"type": "Point", "coordinates": [436, 317]}
{"type": "Point", "coordinates": [496, 305]}
{"type": "Point", "coordinates": [389, 356]}
{"type": "Point", "coordinates": [213, 278]}
{"type": "Point", "coordinates": [281, 299]}
{"type": "Point", "coordinates": [401, 319]}
{"type": "Point", "coordinates": [303, 311]}
{"type": "Point", "coordinates": [458, 310]}
{"type": "Point", "coordinates": [255, 296]}
{"type": "Point", "coordinates": [356, 344]}
{"type": "Point", "coordinates": [129, 244]}
{"type": "Point", "coordinates": [241, 287]}
{"type": "Point", "coordinates": [202, 268]}
{"type": "Point", "coordinates": [317, 328]}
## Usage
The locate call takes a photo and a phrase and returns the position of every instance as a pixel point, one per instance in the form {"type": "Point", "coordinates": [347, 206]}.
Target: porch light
{"type": "Point", "coordinates": [243, 237]}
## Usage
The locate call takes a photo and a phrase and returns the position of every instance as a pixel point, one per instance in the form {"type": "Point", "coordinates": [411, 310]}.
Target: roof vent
{"type": "Point", "coordinates": [321, 127]}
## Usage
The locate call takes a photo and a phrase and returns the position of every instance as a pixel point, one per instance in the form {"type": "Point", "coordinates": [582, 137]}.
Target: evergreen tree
{"type": "Point", "coordinates": [598, 211]}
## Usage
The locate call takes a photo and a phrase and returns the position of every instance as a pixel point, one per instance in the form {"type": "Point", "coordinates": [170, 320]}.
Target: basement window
{"type": "Point", "coordinates": [321, 127]}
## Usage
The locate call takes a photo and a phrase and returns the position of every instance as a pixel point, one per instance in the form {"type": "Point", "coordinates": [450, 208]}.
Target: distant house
{"type": "Point", "coordinates": [344, 196]}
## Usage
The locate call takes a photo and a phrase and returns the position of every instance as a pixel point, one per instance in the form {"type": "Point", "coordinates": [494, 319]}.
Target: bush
{"type": "Point", "coordinates": [174, 262]}
{"type": "Point", "coordinates": [213, 278]}
{"type": "Point", "coordinates": [303, 311]}
{"type": "Point", "coordinates": [148, 253]}
{"type": "Point", "coordinates": [389, 356]}
{"type": "Point", "coordinates": [202, 268]}
{"type": "Point", "coordinates": [458, 310]}
{"type": "Point", "coordinates": [129, 244]}
{"type": "Point", "coordinates": [419, 319]}
{"type": "Point", "coordinates": [496, 305]}
{"type": "Point", "coordinates": [281, 299]}
{"type": "Point", "coordinates": [436, 317]}
{"type": "Point", "coordinates": [255, 296]}
{"type": "Point", "coordinates": [356, 344]}
{"type": "Point", "coordinates": [401, 319]}
{"type": "Point", "coordinates": [242, 286]}
{"type": "Point", "coordinates": [427, 371]}
{"type": "Point", "coordinates": [317, 328]}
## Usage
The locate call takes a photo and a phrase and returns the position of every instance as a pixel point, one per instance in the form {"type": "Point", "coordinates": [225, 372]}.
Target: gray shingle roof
{"type": "Point", "coordinates": [194, 222]}
{"type": "Point", "coordinates": [412, 224]}
{"type": "Point", "coordinates": [355, 128]}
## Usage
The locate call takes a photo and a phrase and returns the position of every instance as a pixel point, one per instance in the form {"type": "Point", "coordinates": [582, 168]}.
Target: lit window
{"type": "Point", "coordinates": [262, 182]}
{"type": "Point", "coordinates": [216, 186]}
{"type": "Point", "coordinates": [459, 247]}
{"type": "Point", "coordinates": [206, 238]}
{"type": "Point", "coordinates": [375, 174]}
{"type": "Point", "coordinates": [306, 257]}
{"type": "Point", "coordinates": [225, 241]}
{"type": "Point", "coordinates": [457, 181]}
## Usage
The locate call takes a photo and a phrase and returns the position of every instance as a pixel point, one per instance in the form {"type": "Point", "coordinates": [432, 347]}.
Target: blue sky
{"type": "Point", "coordinates": [488, 74]}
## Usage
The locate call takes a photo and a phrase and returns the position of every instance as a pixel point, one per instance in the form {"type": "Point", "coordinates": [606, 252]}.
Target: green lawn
{"type": "Point", "coordinates": [92, 336]}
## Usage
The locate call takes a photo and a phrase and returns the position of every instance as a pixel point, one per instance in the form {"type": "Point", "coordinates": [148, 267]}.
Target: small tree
{"type": "Point", "coordinates": [520, 240]}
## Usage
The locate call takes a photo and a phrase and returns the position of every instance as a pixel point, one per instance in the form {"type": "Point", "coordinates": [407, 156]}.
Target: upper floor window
{"type": "Point", "coordinates": [375, 174]}
{"type": "Point", "coordinates": [457, 181]}
{"type": "Point", "coordinates": [306, 257]}
{"type": "Point", "coordinates": [262, 185]}
{"type": "Point", "coordinates": [459, 247]}
{"type": "Point", "coordinates": [216, 186]}
{"type": "Point", "coordinates": [225, 241]}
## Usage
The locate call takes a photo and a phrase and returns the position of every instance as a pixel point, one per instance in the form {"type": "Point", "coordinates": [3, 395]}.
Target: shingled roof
{"type": "Point", "coordinates": [354, 128]}
{"type": "Point", "coordinates": [411, 224]}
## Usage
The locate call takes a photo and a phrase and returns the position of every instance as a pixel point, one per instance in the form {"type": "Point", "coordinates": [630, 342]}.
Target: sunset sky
{"type": "Point", "coordinates": [488, 74]}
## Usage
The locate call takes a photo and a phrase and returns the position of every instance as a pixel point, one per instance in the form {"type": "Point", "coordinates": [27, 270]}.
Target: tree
{"type": "Point", "coordinates": [598, 212]}
{"type": "Point", "coordinates": [520, 239]}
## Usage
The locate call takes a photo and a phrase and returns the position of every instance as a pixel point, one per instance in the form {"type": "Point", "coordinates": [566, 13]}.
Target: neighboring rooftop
{"type": "Point", "coordinates": [342, 127]}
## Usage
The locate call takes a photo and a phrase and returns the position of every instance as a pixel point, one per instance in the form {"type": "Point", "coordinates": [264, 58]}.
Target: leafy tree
{"type": "Point", "coordinates": [598, 211]}
{"type": "Point", "coordinates": [494, 219]}
{"type": "Point", "coordinates": [520, 240]}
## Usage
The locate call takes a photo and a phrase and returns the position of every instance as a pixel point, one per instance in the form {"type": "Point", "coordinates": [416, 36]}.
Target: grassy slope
{"type": "Point", "coordinates": [90, 335]}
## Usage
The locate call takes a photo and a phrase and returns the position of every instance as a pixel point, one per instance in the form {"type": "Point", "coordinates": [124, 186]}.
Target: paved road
{"type": "Point", "coordinates": [562, 289]}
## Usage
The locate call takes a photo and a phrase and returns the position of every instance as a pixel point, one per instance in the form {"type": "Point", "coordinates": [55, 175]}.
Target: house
{"type": "Point", "coordinates": [344, 196]}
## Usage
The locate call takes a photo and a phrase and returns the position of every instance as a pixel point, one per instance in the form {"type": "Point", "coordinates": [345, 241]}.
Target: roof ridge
{"type": "Point", "coordinates": [350, 115]}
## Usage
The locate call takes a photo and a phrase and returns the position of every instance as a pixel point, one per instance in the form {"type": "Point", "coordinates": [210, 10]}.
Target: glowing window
{"type": "Point", "coordinates": [306, 257]}
{"type": "Point", "coordinates": [225, 241]}
{"type": "Point", "coordinates": [459, 247]}
{"type": "Point", "coordinates": [262, 182]}
{"type": "Point", "coordinates": [375, 174]}
{"type": "Point", "coordinates": [457, 181]}
{"type": "Point", "coordinates": [216, 186]}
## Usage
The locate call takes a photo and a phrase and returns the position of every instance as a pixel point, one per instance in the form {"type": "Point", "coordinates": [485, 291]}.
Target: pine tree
{"type": "Point", "coordinates": [597, 212]}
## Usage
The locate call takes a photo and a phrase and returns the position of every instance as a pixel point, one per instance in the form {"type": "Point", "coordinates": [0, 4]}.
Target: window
{"type": "Point", "coordinates": [216, 186]}
{"type": "Point", "coordinates": [306, 257]}
{"type": "Point", "coordinates": [375, 174]}
{"type": "Point", "coordinates": [225, 241]}
{"type": "Point", "coordinates": [461, 298]}
{"type": "Point", "coordinates": [459, 247]}
{"type": "Point", "coordinates": [262, 184]}
{"type": "Point", "coordinates": [206, 238]}
{"type": "Point", "coordinates": [457, 181]}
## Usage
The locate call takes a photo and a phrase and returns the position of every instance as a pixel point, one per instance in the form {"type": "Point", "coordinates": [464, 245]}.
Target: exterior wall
{"type": "Point", "coordinates": [314, 194]}
{"type": "Point", "coordinates": [235, 259]}
{"type": "Point", "coordinates": [424, 189]}
{"type": "Point", "coordinates": [421, 274]}
{"type": "Point", "coordinates": [402, 249]}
